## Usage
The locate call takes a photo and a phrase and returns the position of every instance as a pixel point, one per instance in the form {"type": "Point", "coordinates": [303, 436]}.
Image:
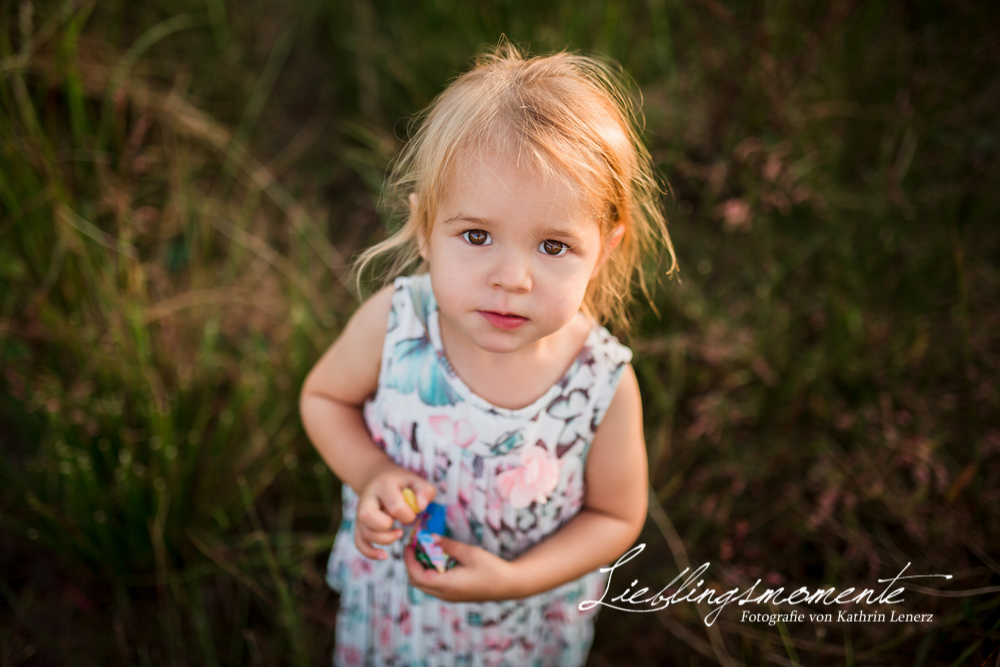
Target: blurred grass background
{"type": "Point", "coordinates": [183, 181]}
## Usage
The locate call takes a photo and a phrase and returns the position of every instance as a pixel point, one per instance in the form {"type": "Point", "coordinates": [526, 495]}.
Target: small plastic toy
{"type": "Point", "coordinates": [429, 523]}
{"type": "Point", "coordinates": [411, 500]}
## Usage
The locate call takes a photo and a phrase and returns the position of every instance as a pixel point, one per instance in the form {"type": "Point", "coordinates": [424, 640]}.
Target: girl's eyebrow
{"type": "Point", "coordinates": [562, 232]}
{"type": "Point", "coordinates": [462, 217]}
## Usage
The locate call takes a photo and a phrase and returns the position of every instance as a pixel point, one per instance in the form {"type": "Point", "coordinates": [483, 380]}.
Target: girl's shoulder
{"type": "Point", "coordinates": [613, 350]}
{"type": "Point", "coordinates": [365, 331]}
{"type": "Point", "coordinates": [414, 291]}
{"type": "Point", "coordinates": [371, 316]}
{"type": "Point", "coordinates": [348, 371]}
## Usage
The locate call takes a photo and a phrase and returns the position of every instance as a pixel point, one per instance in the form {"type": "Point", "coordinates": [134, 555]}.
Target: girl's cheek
{"type": "Point", "coordinates": [470, 263]}
{"type": "Point", "coordinates": [571, 268]}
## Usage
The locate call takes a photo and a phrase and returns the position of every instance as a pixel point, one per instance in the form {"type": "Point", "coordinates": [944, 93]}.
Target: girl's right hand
{"type": "Point", "coordinates": [381, 501]}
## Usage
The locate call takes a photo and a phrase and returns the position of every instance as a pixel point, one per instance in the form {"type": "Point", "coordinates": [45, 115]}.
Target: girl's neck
{"type": "Point", "coordinates": [514, 380]}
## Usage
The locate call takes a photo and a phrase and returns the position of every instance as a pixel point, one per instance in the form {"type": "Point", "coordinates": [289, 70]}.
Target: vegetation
{"type": "Point", "coordinates": [182, 183]}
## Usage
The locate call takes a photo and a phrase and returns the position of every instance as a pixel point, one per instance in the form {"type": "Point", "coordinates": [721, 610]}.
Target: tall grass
{"type": "Point", "coordinates": [181, 184]}
{"type": "Point", "coordinates": [154, 340]}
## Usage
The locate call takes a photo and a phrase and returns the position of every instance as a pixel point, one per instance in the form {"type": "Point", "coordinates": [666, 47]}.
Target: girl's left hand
{"type": "Point", "coordinates": [480, 576]}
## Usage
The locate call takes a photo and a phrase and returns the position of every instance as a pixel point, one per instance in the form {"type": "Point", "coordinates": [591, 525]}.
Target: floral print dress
{"type": "Point", "coordinates": [509, 479]}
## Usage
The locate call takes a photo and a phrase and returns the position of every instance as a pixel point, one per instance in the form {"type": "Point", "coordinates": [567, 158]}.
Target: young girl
{"type": "Point", "coordinates": [485, 382]}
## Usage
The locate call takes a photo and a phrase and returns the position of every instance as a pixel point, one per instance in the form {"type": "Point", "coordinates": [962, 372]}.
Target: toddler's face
{"type": "Point", "coordinates": [510, 255]}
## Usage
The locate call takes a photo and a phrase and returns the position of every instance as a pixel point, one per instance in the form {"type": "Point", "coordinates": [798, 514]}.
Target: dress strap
{"type": "Point", "coordinates": [407, 316]}
{"type": "Point", "coordinates": [612, 358]}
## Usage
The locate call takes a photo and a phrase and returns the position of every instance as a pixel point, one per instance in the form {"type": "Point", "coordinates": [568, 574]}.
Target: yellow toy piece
{"type": "Point", "coordinates": [411, 500]}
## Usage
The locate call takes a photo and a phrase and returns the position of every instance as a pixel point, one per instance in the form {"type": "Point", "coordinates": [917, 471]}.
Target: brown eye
{"type": "Point", "coordinates": [477, 237]}
{"type": "Point", "coordinates": [554, 248]}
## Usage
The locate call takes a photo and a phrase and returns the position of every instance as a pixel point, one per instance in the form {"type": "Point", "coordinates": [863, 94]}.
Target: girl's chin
{"type": "Point", "coordinates": [502, 342]}
{"type": "Point", "coordinates": [499, 341]}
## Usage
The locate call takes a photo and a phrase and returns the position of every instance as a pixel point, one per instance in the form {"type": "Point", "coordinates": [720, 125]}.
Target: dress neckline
{"type": "Point", "coordinates": [536, 406]}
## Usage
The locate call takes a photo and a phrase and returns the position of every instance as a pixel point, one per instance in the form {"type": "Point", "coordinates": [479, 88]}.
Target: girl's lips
{"type": "Point", "coordinates": [501, 321]}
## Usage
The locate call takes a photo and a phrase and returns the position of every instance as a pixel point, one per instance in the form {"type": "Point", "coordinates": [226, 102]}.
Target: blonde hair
{"type": "Point", "coordinates": [567, 113]}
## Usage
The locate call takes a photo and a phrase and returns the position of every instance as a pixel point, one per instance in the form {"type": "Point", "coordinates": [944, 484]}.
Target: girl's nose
{"type": "Point", "coordinates": [511, 272]}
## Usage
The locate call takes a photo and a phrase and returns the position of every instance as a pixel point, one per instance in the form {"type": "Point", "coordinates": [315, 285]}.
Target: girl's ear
{"type": "Point", "coordinates": [421, 232]}
{"type": "Point", "coordinates": [614, 240]}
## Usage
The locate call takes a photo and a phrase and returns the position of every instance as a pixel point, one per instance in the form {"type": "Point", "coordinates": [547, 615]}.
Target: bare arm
{"type": "Point", "coordinates": [612, 517]}
{"type": "Point", "coordinates": [330, 405]}
{"type": "Point", "coordinates": [336, 388]}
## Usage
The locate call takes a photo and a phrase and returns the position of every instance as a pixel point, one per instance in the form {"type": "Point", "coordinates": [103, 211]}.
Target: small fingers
{"type": "Point", "coordinates": [372, 516]}
{"type": "Point", "coordinates": [424, 490]}
{"type": "Point", "coordinates": [398, 509]}
{"type": "Point", "coordinates": [444, 586]}
{"type": "Point", "coordinates": [365, 539]}
{"type": "Point", "coordinates": [368, 550]}
{"type": "Point", "coordinates": [380, 536]}
{"type": "Point", "coordinates": [460, 551]}
{"type": "Point", "coordinates": [419, 577]}
{"type": "Point", "coordinates": [396, 505]}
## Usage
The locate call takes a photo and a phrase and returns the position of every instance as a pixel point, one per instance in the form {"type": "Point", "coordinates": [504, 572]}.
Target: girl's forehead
{"type": "Point", "coordinates": [496, 172]}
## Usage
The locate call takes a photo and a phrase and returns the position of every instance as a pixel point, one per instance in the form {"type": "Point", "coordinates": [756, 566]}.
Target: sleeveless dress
{"type": "Point", "coordinates": [509, 478]}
